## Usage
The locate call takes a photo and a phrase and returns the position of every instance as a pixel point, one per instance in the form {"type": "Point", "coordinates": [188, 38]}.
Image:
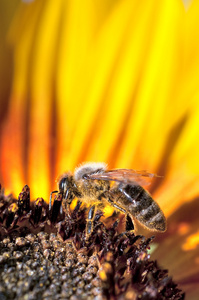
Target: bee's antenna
{"type": "Point", "coordinates": [51, 198]}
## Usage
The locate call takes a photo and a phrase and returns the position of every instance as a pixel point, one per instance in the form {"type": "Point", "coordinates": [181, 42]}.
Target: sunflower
{"type": "Point", "coordinates": [112, 81]}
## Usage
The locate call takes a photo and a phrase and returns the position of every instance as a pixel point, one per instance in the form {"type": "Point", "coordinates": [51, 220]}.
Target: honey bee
{"type": "Point", "coordinates": [93, 184]}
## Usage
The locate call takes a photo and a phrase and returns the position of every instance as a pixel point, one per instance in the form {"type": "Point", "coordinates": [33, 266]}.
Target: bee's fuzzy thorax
{"type": "Point", "coordinates": [89, 167]}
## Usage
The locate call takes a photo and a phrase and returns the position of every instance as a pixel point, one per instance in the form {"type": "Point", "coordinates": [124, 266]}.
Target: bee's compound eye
{"type": "Point", "coordinates": [63, 184]}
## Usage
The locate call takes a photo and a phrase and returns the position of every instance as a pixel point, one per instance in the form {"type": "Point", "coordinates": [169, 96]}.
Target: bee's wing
{"type": "Point", "coordinates": [128, 176]}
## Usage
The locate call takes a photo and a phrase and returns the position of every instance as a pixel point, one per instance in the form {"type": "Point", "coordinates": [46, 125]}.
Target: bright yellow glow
{"type": "Point", "coordinates": [192, 242]}
{"type": "Point", "coordinates": [103, 275]}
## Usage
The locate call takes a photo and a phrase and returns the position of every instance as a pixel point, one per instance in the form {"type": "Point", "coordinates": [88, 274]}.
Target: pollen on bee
{"type": "Point", "coordinates": [73, 204]}
{"type": "Point", "coordinates": [108, 211]}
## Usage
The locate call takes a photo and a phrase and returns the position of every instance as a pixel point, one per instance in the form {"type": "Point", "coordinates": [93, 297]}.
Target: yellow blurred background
{"type": "Point", "coordinates": [112, 81]}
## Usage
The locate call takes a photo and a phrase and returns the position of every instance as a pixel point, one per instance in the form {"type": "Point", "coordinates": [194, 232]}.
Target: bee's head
{"type": "Point", "coordinates": [64, 183]}
{"type": "Point", "coordinates": [67, 186]}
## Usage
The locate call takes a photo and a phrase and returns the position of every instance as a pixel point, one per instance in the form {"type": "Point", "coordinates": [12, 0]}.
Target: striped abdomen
{"type": "Point", "coordinates": [139, 203]}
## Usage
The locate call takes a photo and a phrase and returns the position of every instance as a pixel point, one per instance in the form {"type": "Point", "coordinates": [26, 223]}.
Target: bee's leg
{"type": "Point", "coordinates": [50, 202]}
{"type": "Point", "coordinates": [77, 207]}
{"type": "Point", "coordinates": [116, 206]}
{"type": "Point", "coordinates": [67, 210]}
{"type": "Point", "coordinates": [89, 225]}
{"type": "Point", "coordinates": [66, 205]}
{"type": "Point", "coordinates": [79, 203]}
{"type": "Point", "coordinates": [129, 222]}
